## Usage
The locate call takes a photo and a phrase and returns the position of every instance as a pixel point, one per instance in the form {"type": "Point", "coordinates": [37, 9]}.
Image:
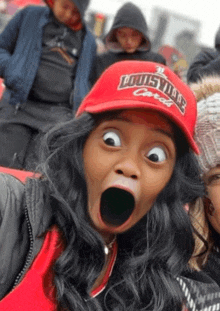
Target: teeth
{"type": "Point", "coordinates": [117, 206]}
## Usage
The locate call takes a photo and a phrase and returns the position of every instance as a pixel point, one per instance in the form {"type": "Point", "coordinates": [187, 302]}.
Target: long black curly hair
{"type": "Point", "coordinates": [150, 255]}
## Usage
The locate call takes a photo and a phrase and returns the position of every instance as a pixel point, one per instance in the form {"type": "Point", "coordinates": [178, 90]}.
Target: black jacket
{"type": "Point", "coordinates": [109, 58]}
{"type": "Point", "coordinates": [206, 63]}
{"type": "Point", "coordinates": [128, 16]}
{"type": "Point", "coordinates": [22, 211]}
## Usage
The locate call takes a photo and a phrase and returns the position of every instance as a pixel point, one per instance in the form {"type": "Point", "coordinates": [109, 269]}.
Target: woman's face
{"type": "Point", "coordinates": [128, 161]}
{"type": "Point", "coordinates": [212, 180]}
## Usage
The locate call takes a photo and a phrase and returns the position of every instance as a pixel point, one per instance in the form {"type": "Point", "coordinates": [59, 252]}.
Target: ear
{"type": "Point", "coordinates": [209, 208]}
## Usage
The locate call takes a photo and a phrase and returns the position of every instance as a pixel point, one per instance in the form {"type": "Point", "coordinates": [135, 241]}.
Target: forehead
{"type": "Point", "coordinates": [148, 118]}
{"type": "Point", "coordinates": [67, 2]}
{"type": "Point", "coordinates": [127, 30]}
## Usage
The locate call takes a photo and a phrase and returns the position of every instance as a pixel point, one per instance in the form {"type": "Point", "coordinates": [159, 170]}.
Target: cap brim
{"type": "Point", "coordinates": [130, 104]}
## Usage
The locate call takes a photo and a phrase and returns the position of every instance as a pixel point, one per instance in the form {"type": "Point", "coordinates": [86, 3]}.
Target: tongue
{"type": "Point", "coordinates": [117, 206]}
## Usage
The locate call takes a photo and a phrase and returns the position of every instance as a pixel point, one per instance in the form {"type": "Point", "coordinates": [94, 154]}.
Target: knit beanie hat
{"type": "Point", "coordinates": [207, 131]}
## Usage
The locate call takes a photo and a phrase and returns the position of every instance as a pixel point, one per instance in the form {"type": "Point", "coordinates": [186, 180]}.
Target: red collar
{"type": "Point", "coordinates": [37, 291]}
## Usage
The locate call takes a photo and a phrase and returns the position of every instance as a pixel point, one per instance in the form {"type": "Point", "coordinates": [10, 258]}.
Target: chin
{"type": "Point", "coordinates": [130, 51]}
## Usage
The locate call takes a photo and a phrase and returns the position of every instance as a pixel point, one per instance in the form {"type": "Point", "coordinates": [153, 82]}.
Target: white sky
{"type": "Point", "coordinates": [205, 11]}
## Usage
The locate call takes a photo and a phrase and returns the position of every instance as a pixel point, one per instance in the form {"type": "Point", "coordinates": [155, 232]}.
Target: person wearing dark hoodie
{"type": "Point", "coordinates": [206, 63]}
{"type": "Point", "coordinates": [127, 39]}
{"type": "Point", "coordinates": [46, 58]}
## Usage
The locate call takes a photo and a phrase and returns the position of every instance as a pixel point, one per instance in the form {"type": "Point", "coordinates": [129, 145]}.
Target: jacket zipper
{"type": "Point", "coordinates": [30, 252]}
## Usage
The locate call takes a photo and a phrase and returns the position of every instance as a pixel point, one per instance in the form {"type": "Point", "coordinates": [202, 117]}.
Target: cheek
{"type": "Point", "coordinates": [215, 199]}
{"type": "Point", "coordinates": [138, 41]}
{"type": "Point", "coordinates": [95, 165]}
{"type": "Point", "coordinates": [214, 196]}
{"type": "Point", "coordinates": [76, 17]}
{"type": "Point", "coordinates": [215, 220]}
{"type": "Point", "coordinates": [58, 13]}
{"type": "Point", "coordinates": [121, 40]}
{"type": "Point", "coordinates": [153, 185]}
{"type": "Point", "coordinates": [156, 181]}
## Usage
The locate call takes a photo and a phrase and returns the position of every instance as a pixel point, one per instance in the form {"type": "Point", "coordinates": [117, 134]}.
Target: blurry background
{"type": "Point", "coordinates": [178, 29]}
{"type": "Point", "coordinates": [203, 11]}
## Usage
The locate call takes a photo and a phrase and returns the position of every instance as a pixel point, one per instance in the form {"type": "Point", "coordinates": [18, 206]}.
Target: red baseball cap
{"type": "Point", "coordinates": [146, 85]}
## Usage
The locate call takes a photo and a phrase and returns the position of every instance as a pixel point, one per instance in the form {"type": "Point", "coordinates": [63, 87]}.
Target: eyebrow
{"type": "Point", "coordinates": [160, 130]}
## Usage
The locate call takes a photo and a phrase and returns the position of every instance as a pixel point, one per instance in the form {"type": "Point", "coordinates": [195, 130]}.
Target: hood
{"type": "Point", "coordinates": [129, 15]}
{"type": "Point", "coordinates": [217, 40]}
{"type": "Point", "coordinates": [81, 5]}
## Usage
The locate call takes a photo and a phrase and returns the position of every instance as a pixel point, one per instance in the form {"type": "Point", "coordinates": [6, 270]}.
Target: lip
{"type": "Point", "coordinates": [107, 228]}
{"type": "Point", "coordinates": [119, 186]}
{"type": "Point", "coordinates": [124, 183]}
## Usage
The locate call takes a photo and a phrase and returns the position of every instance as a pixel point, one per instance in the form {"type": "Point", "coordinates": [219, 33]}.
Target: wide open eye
{"type": "Point", "coordinates": [112, 139]}
{"type": "Point", "coordinates": [157, 154]}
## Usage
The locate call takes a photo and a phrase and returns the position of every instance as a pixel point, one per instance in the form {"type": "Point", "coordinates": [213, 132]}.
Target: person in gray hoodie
{"type": "Point", "coordinates": [127, 39]}
{"type": "Point", "coordinates": [206, 63]}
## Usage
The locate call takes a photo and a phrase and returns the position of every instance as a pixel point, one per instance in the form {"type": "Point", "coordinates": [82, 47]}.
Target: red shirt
{"type": "Point", "coordinates": [36, 291]}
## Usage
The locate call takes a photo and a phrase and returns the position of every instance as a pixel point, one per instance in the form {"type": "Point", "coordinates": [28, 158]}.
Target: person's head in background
{"type": "Point", "coordinates": [205, 213]}
{"type": "Point", "coordinates": [69, 12]}
{"type": "Point", "coordinates": [129, 31]}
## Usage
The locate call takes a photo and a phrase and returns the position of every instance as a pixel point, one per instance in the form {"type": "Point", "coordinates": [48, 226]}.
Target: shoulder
{"type": "Point", "coordinates": [207, 53]}
{"type": "Point", "coordinates": [10, 186]}
{"type": "Point", "coordinates": [32, 10]}
{"type": "Point", "coordinates": [108, 57]}
{"type": "Point", "coordinates": [11, 202]}
{"type": "Point", "coordinates": [29, 16]}
{"type": "Point", "coordinates": [153, 56]}
{"type": "Point", "coordinates": [103, 61]}
{"type": "Point", "coordinates": [35, 8]}
{"type": "Point", "coordinates": [89, 34]}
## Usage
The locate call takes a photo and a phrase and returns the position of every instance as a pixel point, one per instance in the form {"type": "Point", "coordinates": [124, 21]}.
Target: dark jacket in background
{"type": "Point", "coordinates": [207, 62]}
{"type": "Point", "coordinates": [128, 16]}
{"type": "Point", "coordinates": [21, 208]}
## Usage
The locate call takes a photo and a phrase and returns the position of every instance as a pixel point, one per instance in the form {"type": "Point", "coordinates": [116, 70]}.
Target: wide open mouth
{"type": "Point", "coordinates": [117, 206]}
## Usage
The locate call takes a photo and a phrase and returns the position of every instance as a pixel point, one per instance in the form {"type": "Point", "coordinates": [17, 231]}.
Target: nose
{"type": "Point", "coordinates": [128, 167]}
{"type": "Point", "coordinates": [129, 40]}
{"type": "Point", "coordinates": [68, 14]}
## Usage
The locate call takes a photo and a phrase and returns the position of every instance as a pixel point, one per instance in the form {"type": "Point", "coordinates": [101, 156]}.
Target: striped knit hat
{"type": "Point", "coordinates": [207, 132]}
